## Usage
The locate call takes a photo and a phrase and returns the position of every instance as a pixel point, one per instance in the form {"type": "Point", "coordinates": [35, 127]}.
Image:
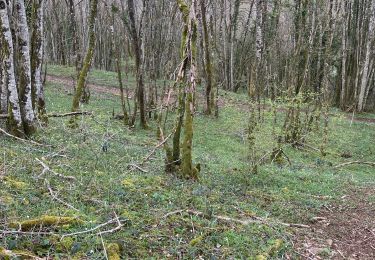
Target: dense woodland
{"type": "Point", "coordinates": [291, 74]}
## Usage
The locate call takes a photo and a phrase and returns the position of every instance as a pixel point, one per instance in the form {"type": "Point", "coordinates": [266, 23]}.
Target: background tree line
{"type": "Point", "coordinates": [297, 46]}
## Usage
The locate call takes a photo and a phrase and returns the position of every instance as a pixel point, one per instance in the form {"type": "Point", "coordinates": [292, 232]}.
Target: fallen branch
{"type": "Point", "coordinates": [156, 147]}
{"type": "Point", "coordinates": [238, 221]}
{"type": "Point", "coordinates": [46, 168]}
{"type": "Point", "coordinates": [21, 139]}
{"type": "Point", "coordinates": [119, 226]}
{"type": "Point", "coordinates": [308, 146]}
{"type": "Point", "coordinates": [83, 113]}
{"type": "Point", "coordinates": [91, 230]}
{"type": "Point", "coordinates": [17, 254]}
{"type": "Point", "coordinates": [354, 162]}
{"type": "Point", "coordinates": [137, 167]}
{"type": "Point", "coordinates": [54, 196]}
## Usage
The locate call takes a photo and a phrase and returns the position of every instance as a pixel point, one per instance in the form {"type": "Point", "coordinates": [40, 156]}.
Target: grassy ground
{"type": "Point", "coordinates": [106, 186]}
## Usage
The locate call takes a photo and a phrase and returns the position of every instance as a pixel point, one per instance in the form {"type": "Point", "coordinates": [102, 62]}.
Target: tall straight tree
{"type": "Point", "coordinates": [207, 54]}
{"type": "Point", "coordinates": [136, 43]}
{"type": "Point", "coordinates": [24, 67]}
{"type": "Point", "coordinates": [368, 62]}
{"type": "Point", "coordinates": [14, 122]}
{"type": "Point", "coordinates": [88, 59]}
{"type": "Point", "coordinates": [37, 41]}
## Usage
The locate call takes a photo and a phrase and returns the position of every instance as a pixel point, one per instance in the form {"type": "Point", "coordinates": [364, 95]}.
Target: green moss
{"type": "Point", "coordinates": [15, 184]}
{"type": "Point", "coordinates": [16, 254]}
{"type": "Point", "coordinates": [128, 183]}
{"type": "Point", "coordinates": [65, 244]}
{"type": "Point", "coordinates": [46, 221]}
{"type": "Point", "coordinates": [6, 254]}
{"type": "Point", "coordinates": [275, 247]}
{"type": "Point", "coordinates": [6, 200]}
{"type": "Point", "coordinates": [113, 251]}
{"type": "Point", "coordinates": [197, 240]}
{"type": "Point", "coordinates": [272, 250]}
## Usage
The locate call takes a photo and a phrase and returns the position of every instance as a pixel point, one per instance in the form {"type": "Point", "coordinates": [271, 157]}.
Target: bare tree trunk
{"type": "Point", "coordinates": [37, 44]}
{"type": "Point", "coordinates": [366, 66]}
{"type": "Point", "coordinates": [344, 57]}
{"type": "Point", "coordinates": [207, 55]}
{"type": "Point", "coordinates": [88, 59]}
{"type": "Point", "coordinates": [138, 64]}
{"type": "Point", "coordinates": [76, 58]}
{"type": "Point", "coordinates": [24, 82]}
{"type": "Point", "coordinates": [188, 170]}
{"type": "Point", "coordinates": [14, 122]}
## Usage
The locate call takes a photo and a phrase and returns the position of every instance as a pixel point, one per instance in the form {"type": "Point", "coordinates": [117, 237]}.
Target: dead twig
{"type": "Point", "coordinates": [244, 222]}
{"type": "Point", "coordinates": [22, 140]}
{"type": "Point", "coordinates": [46, 168]}
{"type": "Point", "coordinates": [119, 226]}
{"type": "Point", "coordinates": [82, 113]}
{"type": "Point", "coordinates": [54, 196]}
{"type": "Point", "coordinates": [104, 249]}
{"type": "Point", "coordinates": [137, 167]}
{"type": "Point", "coordinates": [156, 147]}
{"type": "Point", "coordinates": [354, 162]}
{"type": "Point", "coordinates": [91, 230]}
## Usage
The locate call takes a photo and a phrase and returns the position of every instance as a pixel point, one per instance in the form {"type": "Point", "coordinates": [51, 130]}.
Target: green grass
{"type": "Point", "coordinates": [96, 76]}
{"type": "Point", "coordinates": [105, 184]}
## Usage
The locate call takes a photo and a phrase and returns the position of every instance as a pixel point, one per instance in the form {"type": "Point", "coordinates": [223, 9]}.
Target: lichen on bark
{"type": "Point", "coordinates": [14, 122]}
{"type": "Point", "coordinates": [24, 69]}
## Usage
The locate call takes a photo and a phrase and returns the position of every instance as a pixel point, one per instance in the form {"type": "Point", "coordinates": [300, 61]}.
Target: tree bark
{"type": "Point", "coordinates": [3, 88]}
{"type": "Point", "coordinates": [24, 81]}
{"type": "Point", "coordinates": [207, 54]}
{"type": "Point", "coordinates": [14, 123]}
{"type": "Point", "coordinates": [37, 44]}
{"type": "Point", "coordinates": [366, 66]}
{"type": "Point", "coordinates": [138, 63]}
{"type": "Point", "coordinates": [88, 59]}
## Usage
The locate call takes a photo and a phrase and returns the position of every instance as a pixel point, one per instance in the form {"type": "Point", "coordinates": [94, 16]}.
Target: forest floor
{"type": "Point", "coordinates": [228, 213]}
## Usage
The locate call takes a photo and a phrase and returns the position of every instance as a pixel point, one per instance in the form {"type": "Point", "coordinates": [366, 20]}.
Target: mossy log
{"type": "Point", "coordinates": [16, 254]}
{"type": "Point", "coordinates": [45, 221]}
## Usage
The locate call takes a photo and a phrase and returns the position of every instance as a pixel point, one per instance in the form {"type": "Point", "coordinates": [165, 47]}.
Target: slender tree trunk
{"type": "Point", "coordinates": [207, 55]}
{"type": "Point", "coordinates": [188, 170]}
{"type": "Point", "coordinates": [138, 64]}
{"type": "Point", "coordinates": [24, 82]}
{"type": "Point", "coordinates": [74, 31]}
{"type": "Point", "coordinates": [88, 59]}
{"type": "Point", "coordinates": [344, 57]}
{"type": "Point", "coordinates": [37, 44]}
{"type": "Point", "coordinates": [366, 66]}
{"type": "Point", "coordinates": [14, 122]}
{"type": "Point", "coordinates": [117, 50]}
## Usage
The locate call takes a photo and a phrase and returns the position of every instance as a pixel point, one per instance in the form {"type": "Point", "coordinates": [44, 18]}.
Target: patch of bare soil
{"type": "Point", "coordinates": [361, 119]}
{"type": "Point", "coordinates": [345, 230]}
{"type": "Point", "coordinates": [68, 83]}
